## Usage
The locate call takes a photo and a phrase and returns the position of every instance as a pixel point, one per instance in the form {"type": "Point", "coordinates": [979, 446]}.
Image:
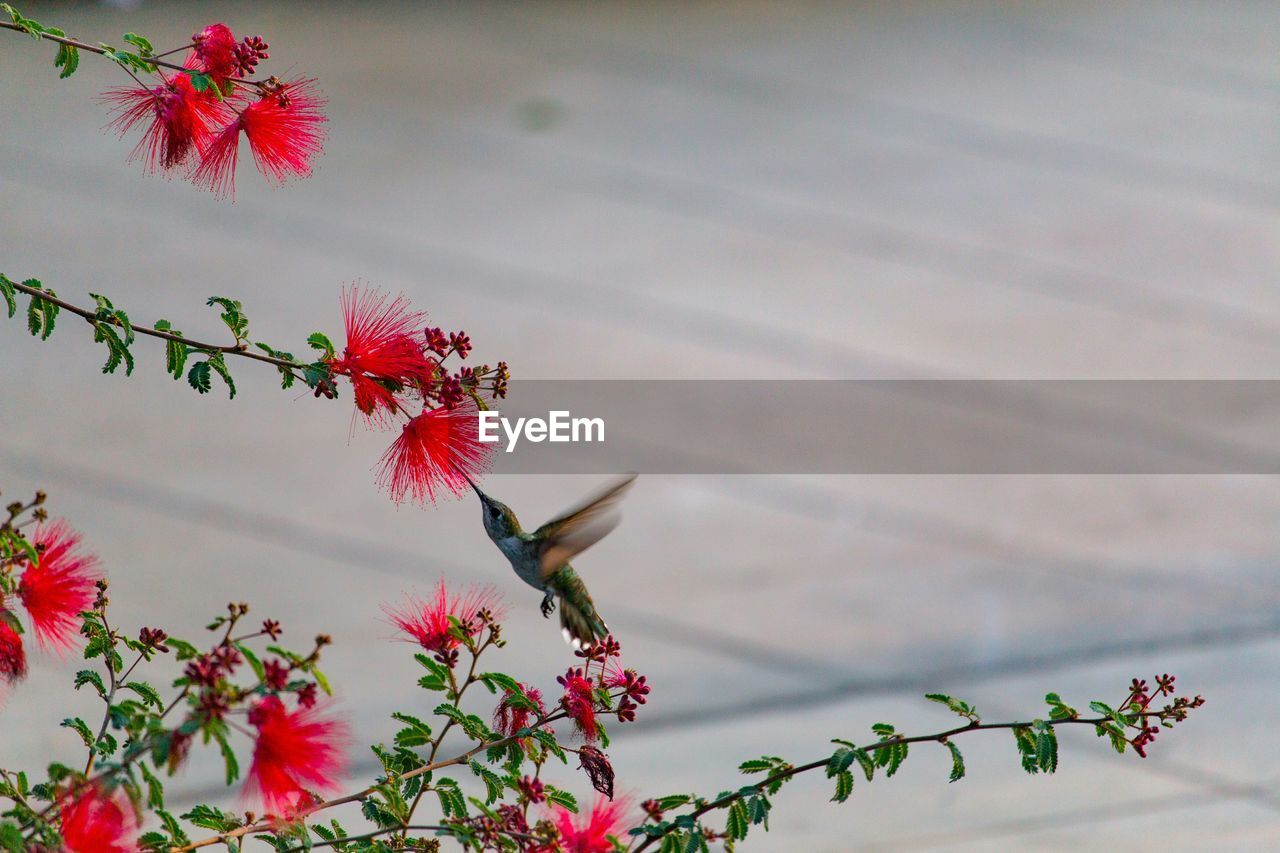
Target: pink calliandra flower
{"type": "Point", "coordinates": [437, 450]}
{"type": "Point", "coordinates": [59, 586]}
{"type": "Point", "coordinates": [13, 658]}
{"type": "Point", "coordinates": [579, 702]}
{"type": "Point", "coordinates": [296, 752]}
{"type": "Point", "coordinates": [426, 622]}
{"type": "Point", "coordinates": [384, 349]}
{"type": "Point", "coordinates": [95, 821]}
{"type": "Point", "coordinates": [213, 51]}
{"type": "Point", "coordinates": [283, 129]}
{"type": "Point", "coordinates": [512, 715]}
{"type": "Point", "coordinates": [178, 121]}
{"type": "Point", "coordinates": [590, 833]}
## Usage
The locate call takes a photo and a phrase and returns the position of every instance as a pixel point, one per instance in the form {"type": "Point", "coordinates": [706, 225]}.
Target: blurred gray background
{"type": "Point", "coordinates": [691, 190]}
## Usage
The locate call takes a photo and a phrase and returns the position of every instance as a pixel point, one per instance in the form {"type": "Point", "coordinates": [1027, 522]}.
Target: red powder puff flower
{"type": "Point", "coordinates": [438, 449]}
{"type": "Point", "coordinates": [213, 51]}
{"type": "Point", "coordinates": [427, 622]}
{"type": "Point", "coordinates": [59, 586]}
{"type": "Point", "coordinates": [95, 821]}
{"type": "Point", "coordinates": [284, 134]}
{"type": "Point", "coordinates": [511, 715]}
{"type": "Point", "coordinates": [295, 752]}
{"type": "Point", "coordinates": [579, 702]}
{"type": "Point", "coordinates": [383, 351]}
{"type": "Point", "coordinates": [590, 833]}
{"type": "Point", "coordinates": [178, 120]}
{"type": "Point", "coordinates": [13, 658]}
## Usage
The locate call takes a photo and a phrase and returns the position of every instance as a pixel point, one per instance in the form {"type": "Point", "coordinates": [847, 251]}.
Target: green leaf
{"type": "Point", "coordinates": [563, 798]}
{"type": "Point", "coordinates": [957, 762]}
{"type": "Point", "coordinates": [739, 822]}
{"type": "Point", "coordinates": [232, 314]}
{"type": "Point", "coordinates": [146, 691]}
{"type": "Point", "coordinates": [493, 783]}
{"type": "Point", "coordinates": [964, 709]}
{"type": "Point", "coordinates": [81, 728]}
{"type": "Point", "coordinates": [416, 733]}
{"type": "Point", "coordinates": [897, 755]}
{"type": "Point", "coordinates": [41, 313]}
{"type": "Point", "coordinates": [1059, 710]}
{"type": "Point", "coordinates": [759, 807]}
{"type": "Point", "coordinates": [199, 377]}
{"type": "Point", "coordinates": [259, 671]}
{"type": "Point", "coordinates": [28, 26]}
{"type": "Point", "coordinates": [228, 758]}
{"type": "Point", "coordinates": [868, 765]}
{"type": "Point", "coordinates": [1046, 747]}
{"type": "Point", "coordinates": [7, 290]}
{"type": "Point", "coordinates": [11, 839]}
{"type": "Point", "coordinates": [1026, 742]}
{"type": "Point", "coordinates": [219, 365]}
{"type": "Point", "coordinates": [143, 46]}
{"type": "Point", "coordinates": [320, 341]}
{"type": "Point", "coordinates": [839, 762]}
{"type": "Point", "coordinates": [844, 786]}
{"type": "Point", "coordinates": [210, 818]}
{"type": "Point", "coordinates": [155, 790]}
{"type": "Point", "coordinates": [515, 695]}
{"type": "Point", "coordinates": [757, 765]}
{"type": "Point", "coordinates": [287, 376]}
{"type": "Point", "coordinates": [473, 726]}
{"type": "Point", "coordinates": [117, 349]}
{"type": "Point", "coordinates": [548, 740]}
{"type": "Point", "coordinates": [88, 676]}
{"type": "Point", "coordinates": [68, 59]}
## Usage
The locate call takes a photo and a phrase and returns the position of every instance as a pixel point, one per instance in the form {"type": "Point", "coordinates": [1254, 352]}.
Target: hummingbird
{"type": "Point", "coordinates": [541, 558]}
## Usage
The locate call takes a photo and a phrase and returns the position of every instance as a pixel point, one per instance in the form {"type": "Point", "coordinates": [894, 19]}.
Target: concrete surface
{"type": "Point", "coordinates": [747, 190]}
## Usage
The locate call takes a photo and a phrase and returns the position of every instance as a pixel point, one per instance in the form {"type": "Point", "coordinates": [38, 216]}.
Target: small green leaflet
{"type": "Point", "coordinates": [143, 46]}
{"type": "Point", "coordinates": [957, 762]}
{"type": "Point", "coordinates": [844, 786]}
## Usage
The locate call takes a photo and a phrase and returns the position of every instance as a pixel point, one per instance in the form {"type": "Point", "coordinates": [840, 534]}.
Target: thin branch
{"type": "Point", "coordinates": [939, 737]}
{"type": "Point", "coordinates": [369, 836]}
{"type": "Point", "coordinates": [102, 51]}
{"type": "Point", "coordinates": [239, 349]}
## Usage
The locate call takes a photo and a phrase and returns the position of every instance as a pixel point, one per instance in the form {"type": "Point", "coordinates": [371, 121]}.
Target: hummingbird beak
{"type": "Point", "coordinates": [483, 497]}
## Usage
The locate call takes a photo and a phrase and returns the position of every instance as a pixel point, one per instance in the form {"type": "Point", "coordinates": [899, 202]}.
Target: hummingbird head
{"type": "Point", "coordinates": [499, 521]}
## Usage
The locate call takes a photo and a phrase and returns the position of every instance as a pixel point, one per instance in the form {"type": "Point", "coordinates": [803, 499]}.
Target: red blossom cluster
{"type": "Point", "coordinates": [430, 622]}
{"type": "Point", "coordinates": [193, 119]}
{"type": "Point", "coordinates": [396, 367]}
{"type": "Point", "coordinates": [96, 820]}
{"type": "Point", "coordinates": [512, 715]}
{"type": "Point", "coordinates": [590, 833]}
{"type": "Point", "coordinates": [295, 751]}
{"type": "Point", "coordinates": [1140, 699]}
{"type": "Point", "coordinates": [579, 699]}
{"type": "Point", "coordinates": [53, 590]}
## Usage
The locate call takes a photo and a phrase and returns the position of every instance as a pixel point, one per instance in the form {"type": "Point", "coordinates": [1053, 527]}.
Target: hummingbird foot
{"type": "Point", "coordinates": [548, 605]}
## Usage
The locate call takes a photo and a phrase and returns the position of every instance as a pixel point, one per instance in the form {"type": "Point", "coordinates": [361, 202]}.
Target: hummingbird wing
{"type": "Point", "coordinates": [580, 528]}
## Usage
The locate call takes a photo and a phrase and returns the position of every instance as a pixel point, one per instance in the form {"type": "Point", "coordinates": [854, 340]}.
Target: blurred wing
{"type": "Point", "coordinates": [580, 528]}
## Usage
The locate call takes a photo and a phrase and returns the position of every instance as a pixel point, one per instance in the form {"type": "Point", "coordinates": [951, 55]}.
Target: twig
{"type": "Point", "coordinates": [239, 349]}
{"type": "Point", "coordinates": [102, 51]}
{"type": "Point", "coordinates": [939, 737]}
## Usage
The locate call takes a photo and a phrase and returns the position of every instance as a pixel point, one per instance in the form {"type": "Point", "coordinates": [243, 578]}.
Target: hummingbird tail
{"type": "Point", "coordinates": [580, 623]}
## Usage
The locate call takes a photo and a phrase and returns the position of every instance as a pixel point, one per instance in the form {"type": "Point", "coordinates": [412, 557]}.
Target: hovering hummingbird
{"type": "Point", "coordinates": [541, 558]}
